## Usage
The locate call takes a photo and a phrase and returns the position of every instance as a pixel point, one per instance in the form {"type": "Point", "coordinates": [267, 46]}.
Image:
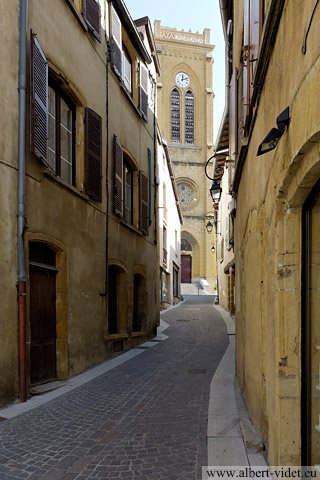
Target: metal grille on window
{"type": "Point", "coordinates": [189, 117]}
{"type": "Point", "coordinates": [175, 115]}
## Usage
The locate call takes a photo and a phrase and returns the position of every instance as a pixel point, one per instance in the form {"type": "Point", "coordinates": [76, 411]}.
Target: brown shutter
{"type": "Point", "coordinates": [144, 91]}
{"type": "Point", "coordinates": [256, 10]}
{"type": "Point", "coordinates": [233, 115]}
{"type": "Point", "coordinates": [93, 155]}
{"type": "Point", "coordinates": [144, 202]}
{"type": "Point", "coordinates": [39, 100]}
{"type": "Point", "coordinates": [117, 177]}
{"type": "Point", "coordinates": [116, 43]}
{"type": "Point", "coordinates": [246, 67]}
{"type": "Point", "coordinates": [233, 125]}
{"type": "Point", "coordinates": [91, 12]}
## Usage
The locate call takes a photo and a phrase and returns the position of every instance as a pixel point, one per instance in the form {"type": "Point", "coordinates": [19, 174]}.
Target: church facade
{"type": "Point", "coordinates": [185, 114]}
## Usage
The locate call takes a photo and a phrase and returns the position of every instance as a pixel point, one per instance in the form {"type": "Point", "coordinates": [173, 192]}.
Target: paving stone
{"type": "Point", "coordinates": [145, 418]}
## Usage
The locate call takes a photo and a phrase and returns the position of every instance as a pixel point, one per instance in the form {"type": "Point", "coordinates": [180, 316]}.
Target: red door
{"type": "Point", "coordinates": [186, 267]}
{"type": "Point", "coordinates": [43, 324]}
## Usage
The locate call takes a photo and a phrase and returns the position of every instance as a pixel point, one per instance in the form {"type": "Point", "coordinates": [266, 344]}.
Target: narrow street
{"type": "Point", "coordinates": [146, 418]}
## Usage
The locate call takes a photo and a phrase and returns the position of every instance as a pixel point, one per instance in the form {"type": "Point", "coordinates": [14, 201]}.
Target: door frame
{"type": "Point", "coordinates": [62, 307]}
{"type": "Point", "coordinates": [305, 326]}
{"type": "Point", "coordinates": [182, 269]}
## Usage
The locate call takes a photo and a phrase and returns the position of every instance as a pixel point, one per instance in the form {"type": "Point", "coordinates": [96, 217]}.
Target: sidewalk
{"type": "Point", "coordinates": [232, 438]}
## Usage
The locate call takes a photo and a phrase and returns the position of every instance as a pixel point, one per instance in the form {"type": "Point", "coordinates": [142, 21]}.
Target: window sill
{"type": "Point", "coordinates": [191, 146]}
{"type": "Point", "coordinates": [117, 336]}
{"type": "Point", "coordinates": [127, 94]}
{"type": "Point", "coordinates": [138, 334]}
{"type": "Point", "coordinates": [77, 14]}
{"type": "Point", "coordinates": [62, 183]}
{"type": "Point", "coordinates": [130, 227]}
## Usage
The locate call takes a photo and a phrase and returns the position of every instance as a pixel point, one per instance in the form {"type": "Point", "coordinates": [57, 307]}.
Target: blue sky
{"type": "Point", "coordinates": [185, 14]}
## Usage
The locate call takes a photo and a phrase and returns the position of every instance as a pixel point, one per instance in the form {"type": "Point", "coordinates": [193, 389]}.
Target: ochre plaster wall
{"type": "Point", "coordinates": [271, 193]}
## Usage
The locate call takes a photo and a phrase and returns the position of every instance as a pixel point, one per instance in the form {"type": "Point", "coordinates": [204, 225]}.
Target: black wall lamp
{"type": "Point", "coordinates": [215, 192]}
{"type": "Point", "coordinates": [271, 140]}
{"type": "Point", "coordinates": [209, 227]}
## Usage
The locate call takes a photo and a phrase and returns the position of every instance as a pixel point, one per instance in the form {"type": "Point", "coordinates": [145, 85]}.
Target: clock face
{"type": "Point", "coordinates": [182, 79]}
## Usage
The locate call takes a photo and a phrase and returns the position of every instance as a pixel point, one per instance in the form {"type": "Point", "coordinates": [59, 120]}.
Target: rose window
{"type": "Point", "coordinates": [186, 194]}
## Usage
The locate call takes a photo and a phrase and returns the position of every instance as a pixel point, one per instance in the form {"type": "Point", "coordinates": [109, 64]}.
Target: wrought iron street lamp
{"type": "Point", "coordinates": [215, 189]}
{"type": "Point", "coordinates": [215, 192]}
{"type": "Point", "coordinates": [209, 227]}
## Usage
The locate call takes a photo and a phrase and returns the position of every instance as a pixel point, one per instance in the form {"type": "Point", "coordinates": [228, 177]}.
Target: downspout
{"type": "Point", "coordinates": [21, 198]}
{"type": "Point", "coordinates": [155, 240]}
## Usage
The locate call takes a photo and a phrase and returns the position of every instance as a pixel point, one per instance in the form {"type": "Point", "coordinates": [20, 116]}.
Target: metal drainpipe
{"type": "Point", "coordinates": [21, 198]}
{"type": "Point", "coordinates": [155, 240]}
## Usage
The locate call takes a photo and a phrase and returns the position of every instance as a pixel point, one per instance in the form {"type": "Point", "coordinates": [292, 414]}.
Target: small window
{"type": "Point", "coordinates": [175, 116]}
{"type": "Point", "coordinates": [61, 135]}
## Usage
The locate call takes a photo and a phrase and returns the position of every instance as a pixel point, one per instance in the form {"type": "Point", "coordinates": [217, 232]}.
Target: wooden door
{"type": "Point", "coordinates": [311, 331]}
{"type": "Point", "coordinates": [186, 268]}
{"type": "Point", "coordinates": [43, 324]}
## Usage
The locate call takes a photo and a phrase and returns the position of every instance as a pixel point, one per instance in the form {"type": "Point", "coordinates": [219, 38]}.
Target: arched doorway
{"type": "Point", "coordinates": [42, 274]}
{"type": "Point", "coordinates": [188, 244]}
{"type": "Point", "coordinates": [310, 408]}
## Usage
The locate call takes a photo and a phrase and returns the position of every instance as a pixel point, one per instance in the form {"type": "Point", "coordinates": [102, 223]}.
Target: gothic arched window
{"type": "Point", "coordinates": [189, 102]}
{"type": "Point", "coordinates": [185, 245]}
{"type": "Point", "coordinates": [175, 116]}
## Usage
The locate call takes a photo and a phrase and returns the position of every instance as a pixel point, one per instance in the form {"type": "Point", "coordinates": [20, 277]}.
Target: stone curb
{"type": "Point", "coordinates": [232, 438]}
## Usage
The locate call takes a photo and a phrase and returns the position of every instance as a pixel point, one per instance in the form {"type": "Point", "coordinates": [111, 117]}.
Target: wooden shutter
{"type": "Point", "coordinates": [233, 126]}
{"type": "Point", "coordinates": [93, 155]}
{"type": "Point", "coordinates": [116, 43]}
{"type": "Point", "coordinates": [39, 100]}
{"type": "Point", "coordinates": [150, 184]}
{"type": "Point", "coordinates": [91, 12]}
{"type": "Point", "coordinates": [227, 232]}
{"type": "Point", "coordinates": [246, 67]}
{"type": "Point", "coordinates": [256, 18]}
{"type": "Point", "coordinates": [144, 202]}
{"type": "Point", "coordinates": [144, 91]}
{"type": "Point", "coordinates": [117, 177]}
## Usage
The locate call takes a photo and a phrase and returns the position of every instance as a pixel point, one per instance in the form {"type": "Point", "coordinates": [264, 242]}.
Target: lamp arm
{"type": "Point", "coordinates": [218, 170]}
{"type": "Point", "coordinates": [205, 168]}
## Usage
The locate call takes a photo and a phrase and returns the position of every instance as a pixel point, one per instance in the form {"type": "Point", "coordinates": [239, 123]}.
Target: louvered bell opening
{"type": "Point", "coordinates": [91, 13]}
{"type": "Point", "coordinates": [175, 116]}
{"type": "Point", "coordinates": [189, 117]}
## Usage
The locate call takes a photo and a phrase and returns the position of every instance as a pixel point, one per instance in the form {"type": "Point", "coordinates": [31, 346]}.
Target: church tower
{"type": "Point", "coordinates": [185, 117]}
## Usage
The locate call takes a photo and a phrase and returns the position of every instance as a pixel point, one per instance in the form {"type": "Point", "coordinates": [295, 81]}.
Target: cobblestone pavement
{"type": "Point", "coordinates": [145, 419]}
